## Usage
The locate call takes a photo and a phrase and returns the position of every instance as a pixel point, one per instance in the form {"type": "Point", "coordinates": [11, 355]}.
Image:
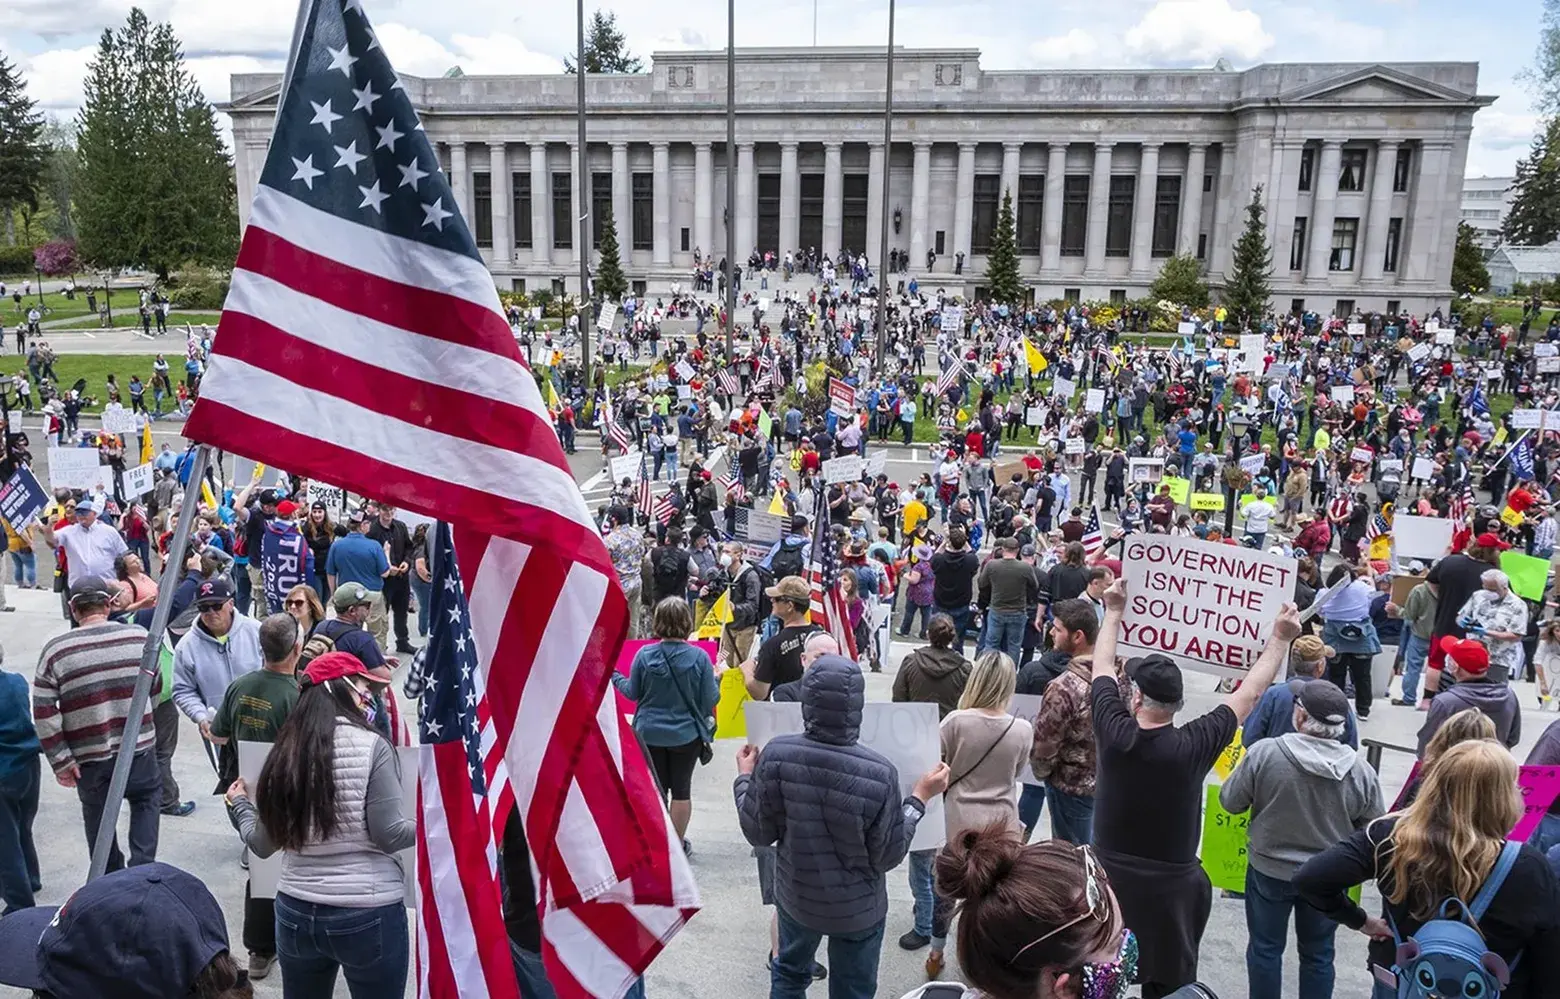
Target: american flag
{"type": "Point", "coordinates": [731, 482]}
{"type": "Point", "coordinates": [1093, 534]}
{"type": "Point", "coordinates": [954, 372]}
{"type": "Point", "coordinates": [643, 499]}
{"type": "Point", "coordinates": [359, 303]}
{"type": "Point", "coordinates": [609, 424]}
{"type": "Point", "coordinates": [727, 382]}
{"type": "Point", "coordinates": [664, 509]}
{"type": "Point", "coordinates": [1462, 499]}
{"type": "Point", "coordinates": [827, 604]}
{"type": "Point", "coordinates": [1377, 527]}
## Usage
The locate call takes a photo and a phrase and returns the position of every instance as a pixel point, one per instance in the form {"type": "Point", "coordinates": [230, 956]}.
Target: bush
{"type": "Point", "coordinates": [197, 290]}
{"type": "Point", "coordinates": [57, 258]}
{"type": "Point", "coordinates": [16, 260]}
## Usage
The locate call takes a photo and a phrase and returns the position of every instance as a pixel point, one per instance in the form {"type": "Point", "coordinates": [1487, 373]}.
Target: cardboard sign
{"type": "Point", "coordinates": [1027, 707]}
{"type": "Point", "coordinates": [1206, 501]}
{"type": "Point", "coordinates": [877, 463]}
{"type": "Point", "coordinates": [1546, 350]}
{"type": "Point", "coordinates": [1064, 387]}
{"type": "Point", "coordinates": [1532, 419]}
{"type": "Point", "coordinates": [334, 497]}
{"type": "Point", "coordinates": [846, 469]}
{"type": "Point", "coordinates": [1362, 454]}
{"type": "Point", "coordinates": [1075, 445]}
{"type": "Point", "coordinates": [1529, 575]}
{"type": "Point", "coordinates": [607, 317]}
{"type": "Point", "coordinates": [1208, 606]}
{"type": "Point", "coordinates": [1419, 351]}
{"type": "Point", "coordinates": [1094, 400]}
{"type": "Point", "coordinates": [906, 733]}
{"type": "Point", "coordinates": [1421, 537]}
{"type": "Point", "coordinates": [763, 306]}
{"type": "Point", "coordinates": [1034, 416]}
{"type": "Point", "coordinates": [22, 499]}
{"type": "Point", "coordinates": [76, 468]}
{"type": "Point", "coordinates": [1423, 468]}
{"type": "Point", "coordinates": [138, 481]}
{"type": "Point", "coordinates": [1186, 329]}
{"type": "Point", "coordinates": [1180, 488]}
{"type": "Point", "coordinates": [121, 421]}
{"type": "Point", "coordinates": [1145, 469]}
{"type": "Point", "coordinates": [842, 398]}
{"type": "Point", "coordinates": [1342, 394]}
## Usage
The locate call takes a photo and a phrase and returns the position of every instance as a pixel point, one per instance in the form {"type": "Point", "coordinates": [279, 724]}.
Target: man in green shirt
{"type": "Point", "coordinates": [253, 710]}
{"type": "Point", "coordinates": [1418, 612]}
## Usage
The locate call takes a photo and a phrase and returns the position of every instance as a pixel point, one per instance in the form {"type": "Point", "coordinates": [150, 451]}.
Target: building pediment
{"type": "Point", "coordinates": [1372, 85]}
{"type": "Point", "coordinates": [263, 99]}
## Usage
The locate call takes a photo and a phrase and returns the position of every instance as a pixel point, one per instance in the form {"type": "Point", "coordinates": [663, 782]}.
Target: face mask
{"type": "Point", "coordinates": [725, 561]}
{"type": "Point", "coordinates": [1111, 979]}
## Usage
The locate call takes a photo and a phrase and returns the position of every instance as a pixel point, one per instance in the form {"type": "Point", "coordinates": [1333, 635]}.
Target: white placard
{"type": "Point", "coordinates": [1423, 469]}
{"type": "Point", "coordinates": [953, 319]}
{"type": "Point", "coordinates": [1186, 328]}
{"type": "Point", "coordinates": [244, 473]}
{"type": "Point", "coordinates": [76, 468]}
{"type": "Point", "coordinates": [1421, 537]}
{"type": "Point", "coordinates": [1530, 419]}
{"type": "Point", "coordinates": [1362, 454]}
{"type": "Point", "coordinates": [1432, 325]}
{"type": "Point", "coordinates": [684, 371]}
{"type": "Point", "coordinates": [1208, 606]}
{"type": "Point", "coordinates": [1252, 464]}
{"type": "Point", "coordinates": [877, 463]}
{"type": "Point", "coordinates": [138, 481]}
{"type": "Point", "coordinates": [264, 872]}
{"type": "Point", "coordinates": [1342, 394]}
{"type": "Point", "coordinates": [1356, 329]}
{"type": "Point", "coordinates": [1094, 400]}
{"type": "Point", "coordinates": [334, 497]}
{"type": "Point", "coordinates": [608, 316]}
{"type": "Point", "coordinates": [684, 391]}
{"type": "Point", "coordinates": [765, 527]}
{"type": "Point", "coordinates": [1276, 372]}
{"type": "Point", "coordinates": [1145, 469]}
{"type": "Point", "coordinates": [1545, 350]}
{"type": "Point", "coordinates": [14, 421]}
{"type": "Point", "coordinates": [1027, 707]}
{"type": "Point", "coordinates": [625, 466]}
{"type": "Point", "coordinates": [1034, 416]}
{"type": "Point", "coordinates": [1445, 337]}
{"type": "Point", "coordinates": [1419, 351]}
{"type": "Point", "coordinates": [906, 733]}
{"type": "Point", "coordinates": [119, 420]}
{"type": "Point", "coordinates": [1064, 387]}
{"type": "Point", "coordinates": [1548, 365]}
{"type": "Point", "coordinates": [1075, 445]}
{"type": "Point", "coordinates": [763, 306]}
{"type": "Point", "coordinates": [1386, 465]}
{"type": "Point", "coordinates": [844, 469]}
{"type": "Point", "coordinates": [1251, 346]}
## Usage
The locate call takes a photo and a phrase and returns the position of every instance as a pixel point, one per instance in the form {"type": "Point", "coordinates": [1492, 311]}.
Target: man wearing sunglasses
{"type": "Point", "coordinates": [220, 647]}
{"type": "Point", "coordinates": [90, 546]}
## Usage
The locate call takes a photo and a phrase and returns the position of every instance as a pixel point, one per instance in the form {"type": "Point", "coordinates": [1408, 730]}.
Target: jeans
{"type": "Point", "coordinates": [530, 973]}
{"type": "Point", "coordinates": [424, 594]}
{"type": "Point", "coordinates": [24, 567]}
{"type": "Point", "coordinates": [18, 858]}
{"type": "Point", "coordinates": [143, 794]}
{"type": "Point", "coordinates": [1547, 835]}
{"type": "Point", "coordinates": [1415, 651]}
{"type": "Point", "coordinates": [923, 889]}
{"type": "Point", "coordinates": [166, 717]}
{"type": "Point", "coordinates": [853, 961]}
{"type": "Point", "coordinates": [1268, 904]}
{"type": "Point", "coordinates": [1005, 632]}
{"type": "Point", "coordinates": [369, 946]}
{"type": "Point", "coordinates": [242, 589]}
{"type": "Point", "coordinates": [1072, 816]}
{"type": "Point", "coordinates": [961, 621]}
{"type": "Point", "coordinates": [925, 610]}
{"type": "Point", "coordinates": [1031, 799]}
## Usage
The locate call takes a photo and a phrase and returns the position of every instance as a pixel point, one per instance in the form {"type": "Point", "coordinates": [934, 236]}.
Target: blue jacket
{"type": "Point", "coordinates": [831, 808]}
{"type": "Point", "coordinates": [666, 679]}
{"type": "Point", "coordinates": [18, 739]}
{"type": "Point", "coordinates": [1275, 716]}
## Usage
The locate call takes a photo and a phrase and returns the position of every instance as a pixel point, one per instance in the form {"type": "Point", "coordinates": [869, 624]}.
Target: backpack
{"type": "Point", "coordinates": [788, 560]}
{"type": "Point", "coordinates": [669, 572]}
{"type": "Point", "coordinates": [323, 640]}
{"type": "Point", "coordinates": [1447, 956]}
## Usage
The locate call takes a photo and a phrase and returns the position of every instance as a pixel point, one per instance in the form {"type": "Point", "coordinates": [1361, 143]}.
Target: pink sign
{"type": "Point", "coordinates": [631, 649]}
{"type": "Point", "coordinates": [1539, 786]}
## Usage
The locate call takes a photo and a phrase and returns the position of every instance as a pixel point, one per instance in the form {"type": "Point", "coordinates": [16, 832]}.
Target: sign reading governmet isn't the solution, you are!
{"type": "Point", "coordinates": [1208, 606]}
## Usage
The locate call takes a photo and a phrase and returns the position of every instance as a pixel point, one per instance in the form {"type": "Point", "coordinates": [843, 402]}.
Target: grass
{"type": "Point", "coordinates": [59, 306]}
{"type": "Point", "coordinates": [96, 368]}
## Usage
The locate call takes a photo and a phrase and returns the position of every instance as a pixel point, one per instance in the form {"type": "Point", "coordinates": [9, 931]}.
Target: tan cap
{"type": "Point", "coordinates": [792, 588]}
{"type": "Point", "coordinates": [1309, 648]}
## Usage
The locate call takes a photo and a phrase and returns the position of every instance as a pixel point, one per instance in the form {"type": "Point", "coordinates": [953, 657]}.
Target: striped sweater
{"type": "Point", "coordinates": [81, 695]}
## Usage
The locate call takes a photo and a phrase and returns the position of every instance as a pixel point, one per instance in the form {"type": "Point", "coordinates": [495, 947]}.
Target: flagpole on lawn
{"type": "Point", "coordinates": [581, 172]}
{"type": "Point", "coordinates": [151, 653]}
{"type": "Point", "coordinates": [888, 156]}
{"type": "Point", "coordinates": [731, 174]}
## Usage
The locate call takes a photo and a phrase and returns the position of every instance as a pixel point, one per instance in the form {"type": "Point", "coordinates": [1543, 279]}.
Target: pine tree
{"type": "Point", "coordinates": [1249, 287]}
{"type": "Point", "coordinates": [1002, 281]}
{"type": "Point", "coordinates": [606, 48]}
{"type": "Point", "coordinates": [1534, 218]}
{"type": "Point", "coordinates": [610, 282]}
{"type": "Point", "coordinates": [155, 185]}
{"type": "Point", "coordinates": [21, 149]}
{"type": "Point", "coordinates": [1180, 282]}
{"type": "Point", "coordinates": [1469, 275]}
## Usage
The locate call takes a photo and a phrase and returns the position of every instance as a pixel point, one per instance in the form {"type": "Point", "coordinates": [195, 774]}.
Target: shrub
{"type": "Point", "coordinates": [16, 260]}
{"type": "Point", "coordinates": [56, 258]}
{"type": "Point", "coordinates": [198, 291]}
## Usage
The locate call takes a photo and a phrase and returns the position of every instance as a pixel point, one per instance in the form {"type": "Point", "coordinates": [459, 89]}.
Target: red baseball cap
{"type": "Point", "coordinates": [336, 665]}
{"type": "Point", "coordinates": [1469, 655]}
{"type": "Point", "coordinates": [1488, 540]}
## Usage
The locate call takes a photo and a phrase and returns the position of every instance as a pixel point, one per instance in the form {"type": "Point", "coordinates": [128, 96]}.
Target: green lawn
{"type": "Point", "coordinates": [59, 306]}
{"type": "Point", "coordinates": [96, 368]}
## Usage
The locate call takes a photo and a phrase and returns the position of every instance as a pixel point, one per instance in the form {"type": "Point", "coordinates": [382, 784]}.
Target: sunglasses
{"type": "Point", "coordinates": [211, 608]}
{"type": "Point", "coordinates": [296, 603]}
{"type": "Point", "coordinates": [1097, 909]}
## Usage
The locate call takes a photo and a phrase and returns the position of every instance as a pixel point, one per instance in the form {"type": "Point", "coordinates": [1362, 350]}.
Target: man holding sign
{"type": "Point", "coordinates": [1149, 767]}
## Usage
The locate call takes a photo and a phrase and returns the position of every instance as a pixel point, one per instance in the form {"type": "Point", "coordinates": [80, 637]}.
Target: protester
{"type": "Point", "coordinates": [953, 583]}
{"type": "Point", "coordinates": [1063, 754]}
{"type": "Point", "coordinates": [1418, 613]}
{"type": "Point", "coordinates": [1457, 577]}
{"type": "Point", "coordinates": [1469, 663]}
{"type": "Point", "coordinates": [303, 603]}
{"type": "Point", "coordinates": [779, 658]}
{"type": "Point", "coordinates": [220, 647]}
{"type": "Point", "coordinates": [934, 672]}
{"type": "Point", "coordinates": [736, 635]}
{"type": "Point", "coordinates": [1350, 632]}
{"type": "Point", "coordinates": [1499, 618]}
{"type": "Point", "coordinates": [359, 559]}
{"type": "Point", "coordinates": [19, 786]}
{"type": "Point", "coordinates": [1007, 589]}
{"type": "Point", "coordinates": [1275, 712]}
{"type": "Point", "coordinates": [393, 536]}
{"type": "Point", "coordinates": [89, 545]}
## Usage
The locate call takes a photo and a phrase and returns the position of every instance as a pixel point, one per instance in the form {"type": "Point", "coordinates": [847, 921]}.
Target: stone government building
{"type": "Point", "coordinates": [1111, 171]}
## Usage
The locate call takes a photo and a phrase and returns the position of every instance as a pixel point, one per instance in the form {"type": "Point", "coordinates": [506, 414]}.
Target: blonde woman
{"type": "Point", "coordinates": [1446, 845]}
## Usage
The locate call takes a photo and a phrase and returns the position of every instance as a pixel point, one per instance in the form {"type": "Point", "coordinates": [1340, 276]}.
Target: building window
{"type": "Point", "coordinates": [1202, 246]}
{"type": "Point", "coordinates": [637, 289]}
{"type": "Point", "coordinates": [1118, 216]}
{"type": "Point", "coordinates": [1307, 164]}
{"type": "Point", "coordinates": [1296, 306]}
{"type": "Point", "coordinates": [983, 221]}
{"type": "Point", "coordinates": [643, 199]}
{"type": "Point", "coordinates": [1073, 295]}
{"type": "Point", "coordinates": [1345, 233]}
{"type": "Point", "coordinates": [1031, 212]}
{"type": "Point", "coordinates": [559, 288]}
{"type": "Point", "coordinates": [940, 242]}
{"type": "Point", "coordinates": [482, 207]}
{"type": "Point", "coordinates": [1207, 182]}
{"type": "Point", "coordinates": [1167, 215]}
{"type": "Point", "coordinates": [1351, 170]}
{"type": "Point", "coordinates": [1345, 307]}
{"type": "Point", "coordinates": [1394, 306]}
{"type": "Point", "coordinates": [520, 218]}
{"type": "Point", "coordinates": [1389, 260]}
{"type": "Point", "coordinates": [853, 212]}
{"type": "Point", "coordinates": [563, 212]}
{"type": "Point", "coordinates": [517, 284]}
{"type": "Point", "coordinates": [1400, 168]}
{"type": "Point", "coordinates": [1297, 245]}
{"type": "Point", "coordinates": [686, 239]}
{"type": "Point", "coordinates": [1118, 296]}
{"type": "Point", "coordinates": [810, 214]}
{"type": "Point", "coordinates": [1075, 214]}
{"type": "Point", "coordinates": [600, 205]}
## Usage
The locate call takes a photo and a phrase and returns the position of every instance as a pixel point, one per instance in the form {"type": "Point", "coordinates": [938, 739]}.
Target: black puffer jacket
{"type": "Point", "coordinates": [831, 808]}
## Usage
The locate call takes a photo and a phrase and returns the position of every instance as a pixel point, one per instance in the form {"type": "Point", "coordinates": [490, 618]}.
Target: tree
{"type": "Point", "coordinates": [21, 152]}
{"type": "Point", "coordinates": [1469, 275]}
{"type": "Point", "coordinates": [155, 185]}
{"type": "Point", "coordinates": [1544, 76]}
{"type": "Point", "coordinates": [1534, 218]}
{"type": "Point", "coordinates": [1002, 280]}
{"type": "Point", "coordinates": [56, 258]}
{"type": "Point", "coordinates": [1180, 281]}
{"type": "Point", "coordinates": [606, 48]}
{"type": "Point", "coordinates": [610, 282]}
{"type": "Point", "coordinates": [1249, 287]}
{"type": "Point", "coordinates": [59, 177]}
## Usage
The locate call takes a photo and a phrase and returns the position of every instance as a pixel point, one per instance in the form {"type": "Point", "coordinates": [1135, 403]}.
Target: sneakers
{"type": "Point", "coordinates": [819, 972]}
{"type": "Point", "coordinates": [260, 965]}
{"type": "Point", "coordinates": [913, 940]}
{"type": "Point", "coordinates": [1401, 703]}
{"type": "Point", "coordinates": [934, 965]}
{"type": "Point", "coordinates": [405, 648]}
{"type": "Point", "coordinates": [178, 810]}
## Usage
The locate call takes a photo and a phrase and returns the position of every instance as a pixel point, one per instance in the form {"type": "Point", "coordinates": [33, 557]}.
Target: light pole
{"type": "Point", "coordinates": [580, 173]}
{"type": "Point", "coordinates": [888, 151]}
{"type": "Point", "coordinates": [731, 174]}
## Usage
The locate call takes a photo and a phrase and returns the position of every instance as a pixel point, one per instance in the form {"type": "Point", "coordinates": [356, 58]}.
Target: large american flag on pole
{"type": "Point", "coordinates": [827, 603]}
{"type": "Point", "coordinates": [1093, 535]}
{"type": "Point", "coordinates": [362, 344]}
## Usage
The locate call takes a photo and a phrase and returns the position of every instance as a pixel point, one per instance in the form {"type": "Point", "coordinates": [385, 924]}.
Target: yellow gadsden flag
{"type": "Point", "coordinates": [1037, 361]}
{"type": "Point", "coordinates": [146, 443]}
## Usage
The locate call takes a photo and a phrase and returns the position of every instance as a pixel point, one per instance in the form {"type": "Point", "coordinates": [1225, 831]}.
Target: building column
{"type": "Point", "coordinates": [790, 199]}
{"type": "Point", "coordinates": [964, 199]}
{"type": "Point", "coordinates": [460, 186]}
{"type": "Point", "coordinates": [541, 206]}
{"type": "Point", "coordinates": [1380, 211]}
{"type": "Point", "coordinates": [622, 201]}
{"type": "Point", "coordinates": [920, 204]}
{"type": "Point", "coordinates": [1010, 154]}
{"type": "Point", "coordinates": [503, 197]}
{"type": "Point", "coordinates": [877, 175]}
{"type": "Point", "coordinates": [577, 192]}
{"type": "Point", "coordinates": [1419, 258]}
{"type": "Point", "coordinates": [1191, 197]}
{"type": "Point", "coordinates": [1323, 208]}
{"type": "Point", "coordinates": [703, 198]}
{"type": "Point", "coordinates": [747, 222]}
{"type": "Point", "coordinates": [1143, 210]}
{"type": "Point", "coordinates": [1099, 201]}
{"type": "Point", "coordinates": [833, 200]}
{"type": "Point", "coordinates": [661, 203]}
{"type": "Point", "coordinates": [1051, 211]}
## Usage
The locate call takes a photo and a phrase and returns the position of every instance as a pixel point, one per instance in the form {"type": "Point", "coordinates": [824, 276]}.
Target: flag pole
{"type": "Point", "coordinates": [888, 154]}
{"type": "Point", "coordinates": [731, 174]}
{"type": "Point", "coordinates": [581, 172]}
{"type": "Point", "coordinates": [150, 654]}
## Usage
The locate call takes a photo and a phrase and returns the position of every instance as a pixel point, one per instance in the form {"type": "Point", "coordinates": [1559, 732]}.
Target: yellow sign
{"type": "Point", "coordinates": [1381, 548]}
{"type": "Point", "coordinates": [1180, 488]}
{"type": "Point", "coordinates": [720, 613]}
{"type": "Point", "coordinates": [1207, 501]}
{"type": "Point", "coordinates": [777, 503]}
{"type": "Point", "coordinates": [1224, 765]}
{"type": "Point", "coordinates": [730, 719]}
{"type": "Point", "coordinates": [1500, 436]}
{"type": "Point", "coordinates": [1510, 517]}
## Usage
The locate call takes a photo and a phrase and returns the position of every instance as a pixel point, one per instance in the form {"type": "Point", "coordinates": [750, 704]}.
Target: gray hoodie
{"type": "Point", "coordinates": [1493, 697]}
{"type": "Point", "coordinates": [203, 666]}
{"type": "Point", "coordinates": [1305, 795]}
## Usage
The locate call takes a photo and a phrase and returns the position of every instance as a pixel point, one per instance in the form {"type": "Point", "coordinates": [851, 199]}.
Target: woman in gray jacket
{"type": "Point", "coordinates": [329, 796]}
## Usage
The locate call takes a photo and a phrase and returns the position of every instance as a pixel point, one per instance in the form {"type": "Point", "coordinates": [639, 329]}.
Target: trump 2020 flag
{"type": "Point", "coordinates": [362, 344]}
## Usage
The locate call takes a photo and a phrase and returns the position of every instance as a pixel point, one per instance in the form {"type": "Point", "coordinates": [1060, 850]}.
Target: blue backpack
{"type": "Point", "coordinates": [1447, 957]}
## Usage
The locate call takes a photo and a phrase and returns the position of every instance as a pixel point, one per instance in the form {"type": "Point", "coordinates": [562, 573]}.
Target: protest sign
{"type": "Point", "coordinates": [1548, 365]}
{"type": "Point", "coordinates": [1386, 465]}
{"type": "Point", "coordinates": [1180, 488]}
{"type": "Point", "coordinates": [730, 718]}
{"type": "Point", "coordinates": [76, 468]}
{"type": "Point", "coordinates": [1208, 606]}
{"type": "Point", "coordinates": [1094, 400]}
{"type": "Point", "coordinates": [1276, 372]}
{"type": "Point", "coordinates": [1186, 328]}
{"type": "Point", "coordinates": [1532, 419]}
{"type": "Point", "coordinates": [1224, 764]}
{"type": "Point", "coordinates": [1027, 707]}
{"type": "Point", "coordinates": [1224, 842]}
{"type": "Point", "coordinates": [764, 527]}
{"type": "Point", "coordinates": [1251, 347]}
{"type": "Point", "coordinates": [13, 421]}
{"type": "Point", "coordinates": [1539, 786]}
{"type": "Point", "coordinates": [1546, 350]}
{"type": "Point", "coordinates": [1423, 469]}
{"type": "Point", "coordinates": [626, 466]}
{"type": "Point", "coordinates": [334, 498]}
{"type": "Point", "coordinates": [877, 463]}
{"type": "Point", "coordinates": [244, 473]}
{"type": "Point", "coordinates": [1145, 469]}
{"type": "Point", "coordinates": [1419, 351]}
{"type": "Point", "coordinates": [1034, 416]}
{"type": "Point", "coordinates": [842, 398]}
{"type": "Point", "coordinates": [846, 469]}
{"type": "Point", "coordinates": [1421, 537]}
{"type": "Point", "coordinates": [1064, 387]}
{"type": "Point", "coordinates": [684, 370]}
{"type": "Point", "coordinates": [1432, 325]}
{"type": "Point", "coordinates": [608, 316]}
{"type": "Point", "coordinates": [1363, 454]}
{"type": "Point", "coordinates": [906, 733]}
{"type": "Point", "coordinates": [121, 421]}
{"type": "Point", "coordinates": [1356, 329]}
{"type": "Point", "coordinates": [953, 319]}
{"type": "Point", "coordinates": [1528, 575]}
{"type": "Point", "coordinates": [1252, 463]}
{"type": "Point", "coordinates": [138, 481]}
{"type": "Point", "coordinates": [1075, 445]}
{"type": "Point", "coordinates": [1206, 501]}
{"type": "Point", "coordinates": [1342, 394]}
{"type": "Point", "coordinates": [22, 499]}
{"type": "Point", "coordinates": [685, 391]}
{"type": "Point", "coordinates": [763, 306]}
{"type": "Point", "coordinates": [1444, 337]}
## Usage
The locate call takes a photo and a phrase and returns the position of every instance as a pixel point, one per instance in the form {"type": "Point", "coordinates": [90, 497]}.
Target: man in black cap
{"type": "Point", "coordinates": [1149, 791]}
{"type": "Point", "coordinates": [262, 511]}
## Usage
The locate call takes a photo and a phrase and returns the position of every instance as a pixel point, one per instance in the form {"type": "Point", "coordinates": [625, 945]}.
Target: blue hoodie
{"type": "Point", "coordinates": [669, 681]}
{"type": "Point", "coordinates": [18, 739]}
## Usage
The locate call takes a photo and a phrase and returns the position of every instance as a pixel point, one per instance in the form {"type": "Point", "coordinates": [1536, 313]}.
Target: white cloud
{"type": "Point", "coordinates": [54, 77]}
{"type": "Point", "coordinates": [1503, 130]}
{"type": "Point", "coordinates": [1198, 31]}
{"type": "Point", "coordinates": [418, 54]}
{"type": "Point", "coordinates": [1076, 46]}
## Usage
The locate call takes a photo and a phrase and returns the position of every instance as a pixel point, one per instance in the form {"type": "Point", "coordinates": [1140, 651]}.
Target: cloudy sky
{"type": "Point", "coordinates": [53, 41]}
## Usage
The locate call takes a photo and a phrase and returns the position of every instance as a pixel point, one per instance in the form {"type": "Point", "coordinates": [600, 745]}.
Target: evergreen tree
{"type": "Point", "coordinates": [610, 282]}
{"type": "Point", "coordinates": [606, 48]}
{"type": "Point", "coordinates": [1534, 218]}
{"type": "Point", "coordinates": [21, 149]}
{"type": "Point", "coordinates": [155, 185]}
{"type": "Point", "coordinates": [1180, 281]}
{"type": "Point", "coordinates": [1249, 287]}
{"type": "Point", "coordinates": [1469, 275]}
{"type": "Point", "coordinates": [1002, 281]}
{"type": "Point", "coordinates": [1544, 75]}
